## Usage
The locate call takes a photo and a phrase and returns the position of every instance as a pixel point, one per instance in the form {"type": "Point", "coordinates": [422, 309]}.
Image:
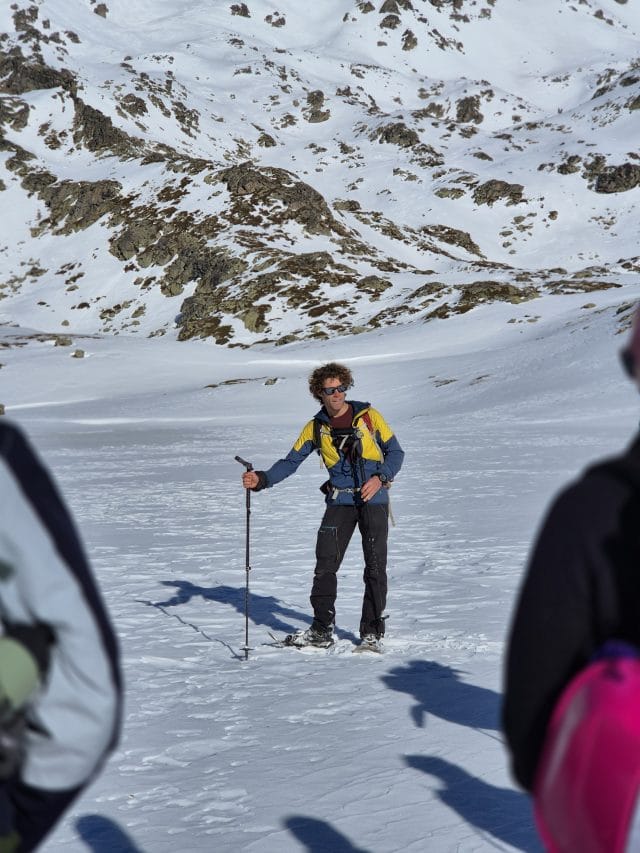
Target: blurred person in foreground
{"type": "Point", "coordinates": [571, 713]}
{"type": "Point", "coordinates": [60, 685]}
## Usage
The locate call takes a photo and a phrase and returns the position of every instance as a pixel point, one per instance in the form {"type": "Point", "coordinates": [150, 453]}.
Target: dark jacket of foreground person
{"type": "Point", "coordinates": [582, 587]}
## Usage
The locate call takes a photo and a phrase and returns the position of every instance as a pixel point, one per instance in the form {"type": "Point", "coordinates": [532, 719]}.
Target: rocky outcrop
{"type": "Point", "coordinates": [618, 179]}
{"type": "Point", "coordinates": [453, 236]}
{"type": "Point", "coordinates": [298, 282]}
{"type": "Point", "coordinates": [476, 293]}
{"type": "Point", "coordinates": [468, 110]}
{"type": "Point", "coordinates": [281, 194]}
{"type": "Point", "coordinates": [19, 75]}
{"type": "Point", "coordinates": [14, 112]}
{"type": "Point", "coordinates": [73, 206]}
{"type": "Point", "coordinates": [397, 134]}
{"type": "Point", "coordinates": [494, 190]}
{"type": "Point", "coordinates": [97, 133]}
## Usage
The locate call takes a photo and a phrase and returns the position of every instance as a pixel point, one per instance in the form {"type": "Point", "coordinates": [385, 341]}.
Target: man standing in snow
{"type": "Point", "coordinates": [581, 589]}
{"type": "Point", "coordinates": [60, 690]}
{"type": "Point", "coordinates": [362, 456]}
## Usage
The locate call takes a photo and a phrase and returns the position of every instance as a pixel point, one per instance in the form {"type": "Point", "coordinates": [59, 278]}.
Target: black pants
{"type": "Point", "coordinates": [29, 814]}
{"type": "Point", "coordinates": [334, 535]}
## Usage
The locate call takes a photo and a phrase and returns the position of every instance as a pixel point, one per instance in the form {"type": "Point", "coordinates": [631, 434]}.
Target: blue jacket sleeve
{"type": "Point", "coordinates": [284, 468]}
{"type": "Point", "coordinates": [393, 458]}
{"type": "Point", "coordinates": [393, 454]}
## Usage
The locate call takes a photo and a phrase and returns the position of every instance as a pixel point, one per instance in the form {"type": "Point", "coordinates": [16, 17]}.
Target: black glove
{"type": "Point", "coordinates": [262, 481]}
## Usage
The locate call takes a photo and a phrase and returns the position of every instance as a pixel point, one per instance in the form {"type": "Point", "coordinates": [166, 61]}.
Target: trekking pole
{"type": "Point", "coordinates": [249, 467]}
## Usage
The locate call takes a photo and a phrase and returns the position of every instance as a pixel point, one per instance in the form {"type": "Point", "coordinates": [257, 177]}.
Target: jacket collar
{"type": "Point", "coordinates": [358, 408]}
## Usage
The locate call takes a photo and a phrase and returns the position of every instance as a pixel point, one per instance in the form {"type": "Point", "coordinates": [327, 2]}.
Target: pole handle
{"type": "Point", "coordinates": [247, 465]}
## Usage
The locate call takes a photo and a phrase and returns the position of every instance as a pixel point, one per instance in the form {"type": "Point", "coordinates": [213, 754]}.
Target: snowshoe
{"type": "Point", "coordinates": [370, 643]}
{"type": "Point", "coordinates": [316, 636]}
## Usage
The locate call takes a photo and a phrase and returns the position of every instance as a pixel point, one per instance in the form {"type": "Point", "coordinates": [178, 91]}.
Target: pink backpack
{"type": "Point", "coordinates": [588, 778]}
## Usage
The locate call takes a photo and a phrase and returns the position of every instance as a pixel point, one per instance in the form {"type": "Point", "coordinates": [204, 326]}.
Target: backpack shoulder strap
{"type": "Point", "coordinates": [365, 417]}
{"type": "Point", "coordinates": [317, 426]}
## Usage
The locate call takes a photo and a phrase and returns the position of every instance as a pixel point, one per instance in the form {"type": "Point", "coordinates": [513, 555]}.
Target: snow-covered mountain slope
{"type": "Point", "coordinates": [263, 172]}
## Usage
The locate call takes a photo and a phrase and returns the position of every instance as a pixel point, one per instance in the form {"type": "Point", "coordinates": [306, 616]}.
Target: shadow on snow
{"type": "Point", "coordinates": [502, 812]}
{"type": "Point", "coordinates": [102, 835]}
{"type": "Point", "coordinates": [263, 609]}
{"type": "Point", "coordinates": [319, 837]}
{"type": "Point", "coordinates": [438, 690]}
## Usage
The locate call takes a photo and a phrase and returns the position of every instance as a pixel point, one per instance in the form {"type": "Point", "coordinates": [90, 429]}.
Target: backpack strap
{"type": "Point", "coordinates": [317, 426]}
{"type": "Point", "coordinates": [317, 439]}
{"type": "Point", "coordinates": [365, 418]}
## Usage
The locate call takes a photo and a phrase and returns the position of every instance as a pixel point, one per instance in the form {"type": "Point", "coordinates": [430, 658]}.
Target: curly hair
{"type": "Point", "coordinates": [332, 370]}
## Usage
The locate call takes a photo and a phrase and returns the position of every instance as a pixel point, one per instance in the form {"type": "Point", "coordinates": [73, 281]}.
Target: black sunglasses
{"type": "Point", "coordinates": [340, 389]}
